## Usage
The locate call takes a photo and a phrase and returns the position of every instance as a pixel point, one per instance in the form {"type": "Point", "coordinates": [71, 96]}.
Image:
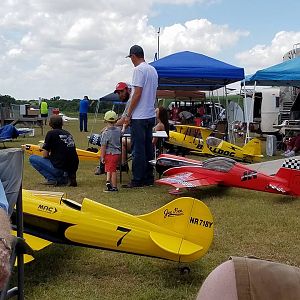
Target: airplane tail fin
{"type": "Point", "coordinates": [290, 171]}
{"type": "Point", "coordinates": [253, 148]}
{"type": "Point", "coordinates": [191, 219]}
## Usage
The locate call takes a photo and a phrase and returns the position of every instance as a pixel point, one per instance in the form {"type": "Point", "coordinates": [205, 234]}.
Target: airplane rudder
{"type": "Point", "coordinates": [201, 220]}
{"type": "Point", "coordinates": [290, 171]}
{"type": "Point", "coordinates": [253, 147]}
{"type": "Point", "coordinates": [194, 217]}
{"type": "Point", "coordinates": [200, 229]}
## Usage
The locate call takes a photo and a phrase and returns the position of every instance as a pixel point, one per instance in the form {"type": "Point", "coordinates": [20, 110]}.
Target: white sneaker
{"type": "Point", "coordinates": [285, 153]}
{"type": "Point", "coordinates": [290, 154]}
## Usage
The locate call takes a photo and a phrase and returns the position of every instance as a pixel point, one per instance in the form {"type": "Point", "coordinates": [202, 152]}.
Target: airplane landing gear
{"type": "Point", "coordinates": [184, 270]}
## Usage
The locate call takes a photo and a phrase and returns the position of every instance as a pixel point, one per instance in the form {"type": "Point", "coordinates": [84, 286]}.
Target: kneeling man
{"type": "Point", "coordinates": [59, 163]}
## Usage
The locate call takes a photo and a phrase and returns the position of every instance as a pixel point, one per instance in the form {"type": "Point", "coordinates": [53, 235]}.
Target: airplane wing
{"type": "Point", "coordinates": [34, 243]}
{"type": "Point", "coordinates": [188, 180]}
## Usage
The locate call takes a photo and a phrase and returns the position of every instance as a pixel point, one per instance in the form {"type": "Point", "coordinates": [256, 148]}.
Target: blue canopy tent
{"type": "Point", "coordinates": [110, 97]}
{"type": "Point", "coordinates": [286, 73]}
{"type": "Point", "coordinates": [193, 71]}
{"type": "Point", "coordinates": [110, 101]}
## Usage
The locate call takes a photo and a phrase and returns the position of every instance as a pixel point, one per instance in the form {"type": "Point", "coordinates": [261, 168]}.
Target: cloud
{"type": "Point", "coordinates": [72, 47]}
{"type": "Point", "coordinates": [262, 56]}
{"type": "Point", "coordinates": [199, 35]}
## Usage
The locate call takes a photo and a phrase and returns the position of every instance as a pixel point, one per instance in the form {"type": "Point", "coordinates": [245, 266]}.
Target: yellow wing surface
{"type": "Point", "coordinates": [182, 230]}
{"type": "Point", "coordinates": [34, 243]}
{"type": "Point", "coordinates": [82, 154]}
{"type": "Point", "coordinates": [187, 136]}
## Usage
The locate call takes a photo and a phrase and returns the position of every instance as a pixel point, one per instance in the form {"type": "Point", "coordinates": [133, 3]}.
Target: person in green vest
{"type": "Point", "coordinates": [44, 110]}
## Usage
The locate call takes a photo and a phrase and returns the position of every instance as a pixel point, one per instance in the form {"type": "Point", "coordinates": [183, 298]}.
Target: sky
{"type": "Point", "coordinates": [72, 48]}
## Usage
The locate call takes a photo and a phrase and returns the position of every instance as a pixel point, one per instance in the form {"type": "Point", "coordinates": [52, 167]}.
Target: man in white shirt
{"type": "Point", "coordinates": [141, 116]}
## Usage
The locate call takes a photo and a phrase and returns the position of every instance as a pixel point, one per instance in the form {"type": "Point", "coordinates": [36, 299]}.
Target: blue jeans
{"type": "Point", "coordinates": [83, 121]}
{"type": "Point", "coordinates": [142, 150]}
{"type": "Point", "coordinates": [44, 167]}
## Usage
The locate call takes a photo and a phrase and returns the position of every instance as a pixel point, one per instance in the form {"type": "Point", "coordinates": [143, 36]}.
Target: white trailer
{"type": "Point", "coordinates": [264, 110]}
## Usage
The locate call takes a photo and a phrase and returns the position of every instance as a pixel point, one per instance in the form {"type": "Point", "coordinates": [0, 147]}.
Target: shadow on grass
{"type": "Point", "coordinates": [207, 192]}
{"type": "Point", "coordinates": [281, 199]}
{"type": "Point", "coordinates": [49, 263]}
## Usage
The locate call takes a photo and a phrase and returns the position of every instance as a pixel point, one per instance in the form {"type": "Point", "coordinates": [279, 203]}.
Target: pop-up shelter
{"type": "Point", "coordinates": [286, 73]}
{"type": "Point", "coordinates": [193, 71]}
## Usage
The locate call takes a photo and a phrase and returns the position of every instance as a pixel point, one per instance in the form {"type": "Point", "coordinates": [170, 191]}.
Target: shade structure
{"type": "Point", "coordinates": [111, 97]}
{"type": "Point", "coordinates": [166, 94]}
{"type": "Point", "coordinates": [286, 73]}
{"type": "Point", "coordinates": [193, 71]}
{"type": "Point", "coordinates": [181, 95]}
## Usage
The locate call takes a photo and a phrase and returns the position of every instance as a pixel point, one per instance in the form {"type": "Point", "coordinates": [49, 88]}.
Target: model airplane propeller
{"type": "Point", "coordinates": [227, 172]}
{"type": "Point", "coordinates": [181, 230]}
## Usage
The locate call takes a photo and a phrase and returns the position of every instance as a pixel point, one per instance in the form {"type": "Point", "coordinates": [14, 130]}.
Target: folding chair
{"type": "Point", "coordinates": [11, 172]}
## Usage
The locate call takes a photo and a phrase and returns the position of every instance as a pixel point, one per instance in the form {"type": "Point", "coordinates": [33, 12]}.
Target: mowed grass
{"type": "Point", "coordinates": [246, 223]}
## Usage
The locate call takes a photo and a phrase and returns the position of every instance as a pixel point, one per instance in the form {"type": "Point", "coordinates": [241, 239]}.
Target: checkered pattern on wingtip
{"type": "Point", "coordinates": [292, 163]}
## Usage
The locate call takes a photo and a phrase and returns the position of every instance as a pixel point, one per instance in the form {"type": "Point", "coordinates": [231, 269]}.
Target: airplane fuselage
{"type": "Point", "coordinates": [194, 139]}
{"type": "Point", "coordinates": [92, 224]}
{"type": "Point", "coordinates": [187, 173]}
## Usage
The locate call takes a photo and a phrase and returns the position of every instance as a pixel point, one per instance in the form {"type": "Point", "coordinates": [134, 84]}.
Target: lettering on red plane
{"type": "Point", "coordinates": [248, 175]}
{"type": "Point", "coordinates": [200, 222]}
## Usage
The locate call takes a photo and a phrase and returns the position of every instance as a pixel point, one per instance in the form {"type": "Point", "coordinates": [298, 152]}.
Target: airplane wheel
{"type": "Point", "coordinates": [184, 270]}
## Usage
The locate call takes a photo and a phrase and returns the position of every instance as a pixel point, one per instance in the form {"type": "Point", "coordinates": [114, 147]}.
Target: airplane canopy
{"type": "Point", "coordinates": [220, 164]}
{"type": "Point", "coordinates": [193, 71]}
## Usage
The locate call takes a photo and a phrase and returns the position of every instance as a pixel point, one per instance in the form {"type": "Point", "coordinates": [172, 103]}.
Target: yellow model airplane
{"type": "Point", "coordinates": [82, 154]}
{"type": "Point", "coordinates": [181, 230]}
{"type": "Point", "coordinates": [200, 140]}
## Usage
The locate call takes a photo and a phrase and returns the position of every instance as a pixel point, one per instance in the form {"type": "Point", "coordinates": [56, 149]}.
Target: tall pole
{"type": "Point", "coordinates": [158, 32]}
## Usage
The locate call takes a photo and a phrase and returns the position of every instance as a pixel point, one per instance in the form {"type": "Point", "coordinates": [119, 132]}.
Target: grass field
{"type": "Point", "coordinates": [246, 223]}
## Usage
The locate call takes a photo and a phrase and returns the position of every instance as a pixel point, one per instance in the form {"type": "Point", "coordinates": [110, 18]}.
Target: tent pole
{"type": "Point", "coordinates": [251, 110]}
{"type": "Point", "coordinates": [95, 117]}
{"type": "Point", "coordinates": [229, 129]}
{"type": "Point", "coordinates": [246, 117]}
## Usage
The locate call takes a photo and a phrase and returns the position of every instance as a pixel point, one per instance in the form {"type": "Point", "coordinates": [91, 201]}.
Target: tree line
{"type": "Point", "coordinates": [66, 106]}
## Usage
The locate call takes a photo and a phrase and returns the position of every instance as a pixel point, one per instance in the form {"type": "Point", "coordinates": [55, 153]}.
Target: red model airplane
{"type": "Point", "coordinates": [227, 172]}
